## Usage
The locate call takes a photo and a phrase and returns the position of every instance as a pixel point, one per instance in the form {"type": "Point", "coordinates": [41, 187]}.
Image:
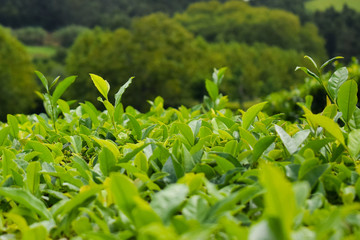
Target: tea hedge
{"type": "Point", "coordinates": [181, 173]}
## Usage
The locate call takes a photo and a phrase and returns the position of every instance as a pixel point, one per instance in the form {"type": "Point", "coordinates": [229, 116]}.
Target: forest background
{"type": "Point", "coordinates": [170, 47]}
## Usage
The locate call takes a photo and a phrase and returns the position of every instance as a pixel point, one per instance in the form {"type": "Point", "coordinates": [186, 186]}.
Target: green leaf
{"type": "Point", "coordinates": [76, 143]}
{"type": "Point", "coordinates": [328, 124]}
{"type": "Point", "coordinates": [292, 144]}
{"type": "Point", "coordinates": [168, 201]}
{"type": "Point", "coordinates": [43, 80]}
{"type": "Point", "coordinates": [212, 89]}
{"type": "Point", "coordinates": [61, 88]}
{"type": "Point", "coordinates": [354, 143]}
{"type": "Point", "coordinates": [347, 99]}
{"type": "Point", "coordinates": [109, 107]}
{"type": "Point", "coordinates": [247, 136]}
{"type": "Point", "coordinates": [186, 131]}
{"type": "Point", "coordinates": [218, 75]}
{"type": "Point", "coordinates": [14, 125]}
{"type": "Point", "coordinates": [228, 157]}
{"type": "Point", "coordinates": [279, 198]}
{"type": "Point", "coordinates": [45, 153]}
{"type": "Point", "coordinates": [196, 208]}
{"type": "Point", "coordinates": [308, 72]}
{"type": "Point", "coordinates": [188, 160]}
{"type": "Point", "coordinates": [79, 199]}
{"type": "Point", "coordinates": [251, 113]}
{"type": "Point", "coordinates": [107, 161]}
{"type": "Point", "coordinates": [108, 144]}
{"type": "Point", "coordinates": [3, 135]}
{"type": "Point", "coordinates": [336, 80]}
{"type": "Point", "coordinates": [135, 126]}
{"type": "Point", "coordinates": [54, 82]}
{"type": "Point", "coordinates": [312, 61]}
{"type": "Point", "coordinates": [121, 91]}
{"type": "Point", "coordinates": [26, 199]}
{"type": "Point", "coordinates": [133, 153]}
{"type": "Point", "coordinates": [354, 122]}
{"type": "Point", "coordinates": [329, 61]}
{"type": "Point", "coordinates": [64, 106]}
{"type": "Point", "coordinates": [7, 162]}
{"type": "Point", "coordinates": [261, 146]}
{"type": "Point", "coordinates": [313, 174]}
{"type": "Point", "coordinates": [91, 110]}
{"type": "Point", "coordinates": [33, 177]}
{"type": "Point", "coordinates": [102, 85]}
{"type": "Point", "coordinates": [124, 192]}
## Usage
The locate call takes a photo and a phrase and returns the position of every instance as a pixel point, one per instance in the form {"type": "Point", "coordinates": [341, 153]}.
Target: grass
{"type": "Point", "coordinates": [314, 5]}
{"type": "Point", "coordinates": [41, 51]}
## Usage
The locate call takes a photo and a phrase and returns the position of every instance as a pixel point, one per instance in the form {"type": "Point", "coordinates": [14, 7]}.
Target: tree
{"type": "Point", "coordinates": [340, 30]}
{"type": "Point", "coordinates": [16, 76]}
{"type": "Point", "coordinates": [239, 22]}
{"type": "Point", "coordinates": [163, 56]}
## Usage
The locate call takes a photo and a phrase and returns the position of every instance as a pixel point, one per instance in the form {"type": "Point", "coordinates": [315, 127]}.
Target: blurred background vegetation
{"type": "Point", "coordinates": [171, 47]}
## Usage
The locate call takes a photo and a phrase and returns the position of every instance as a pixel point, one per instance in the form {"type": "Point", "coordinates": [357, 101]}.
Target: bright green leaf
{"type": "Point", "coordinates": [102, 85]}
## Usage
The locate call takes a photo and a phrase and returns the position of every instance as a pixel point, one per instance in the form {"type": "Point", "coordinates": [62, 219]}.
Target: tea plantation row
{"type": "Point", "coordinates": [181, 173]}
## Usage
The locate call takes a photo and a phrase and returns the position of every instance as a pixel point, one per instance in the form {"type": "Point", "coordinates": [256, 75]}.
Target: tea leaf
{"type": "Point", "coordinates": [347, 99]}
{"type": "Point", "coordinates": [354, 143]}
{"type": "Point", "coordinates": [251, 113]}
{"type": "Point", "coordinates": [212, 89]}
{"type": "Point", "coordinates": [328, 124]}
{"type": "Point", "coordinates": [166, 202]}
{"type": "Point", "coordinates": [336, 80]}
{"type": "Point", "coordinates": [102, 85]}
{"type": "Point", "coordinates": [124, 192]}
{"type": "Point", "coordinates": [107, 161]}
{"type": "Point", "coordinates": [28, 200]}
{"type": "Point", "coordinates": [61, 88]}
{"type": "Point", "coordinates": [121, 91]}
{"type": "Point", "coordinates": [43, 80]}
{"type": "Point", "coordinates": [33, 177]}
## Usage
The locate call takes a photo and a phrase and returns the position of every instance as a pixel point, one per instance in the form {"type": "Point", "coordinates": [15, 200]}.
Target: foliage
{"type": "Point", "coordinates": [31, 35]}
{"type": "Point", "coordinates": [178, 64]}
{"type": "Point", "coordinates": [182, 173]}
{"type": "Point", "coordinates": [239, 22]}
{"type": "Point", "coordinates": [53, 14]}
{"type": "Point", "coordinates": [164, 57]}
{"type": "Point", "coordinates": [16, 76]}
{"type": "Point", "coordinates": [285, 101]}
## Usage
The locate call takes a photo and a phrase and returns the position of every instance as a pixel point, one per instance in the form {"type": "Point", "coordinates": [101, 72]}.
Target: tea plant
{"type": "Point", "coordinates": [181, 173]}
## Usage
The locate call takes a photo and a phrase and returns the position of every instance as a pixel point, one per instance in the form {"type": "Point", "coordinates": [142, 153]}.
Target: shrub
{"type": "Point", "coordinates": [67, 35]}
{"type": "Point", "coordinates": [31, 35]}
{"type": "Point", "coordinates": [16, 76]}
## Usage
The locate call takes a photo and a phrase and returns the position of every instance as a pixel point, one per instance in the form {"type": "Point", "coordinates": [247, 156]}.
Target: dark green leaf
{"type": "Point", "coordinates": [347, 99]}
{"type": "Point", "coordinates": [61, 88]}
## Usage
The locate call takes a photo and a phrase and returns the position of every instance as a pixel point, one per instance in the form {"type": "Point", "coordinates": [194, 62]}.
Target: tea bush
{"type": "Point", "coordinates": [182, 173]}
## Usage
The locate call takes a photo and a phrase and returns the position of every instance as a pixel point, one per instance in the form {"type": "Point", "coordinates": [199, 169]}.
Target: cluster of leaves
{"type": "Point", "coordinates": [285, 101]}
{"type": "Point", "coordinates": [198, 173]}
